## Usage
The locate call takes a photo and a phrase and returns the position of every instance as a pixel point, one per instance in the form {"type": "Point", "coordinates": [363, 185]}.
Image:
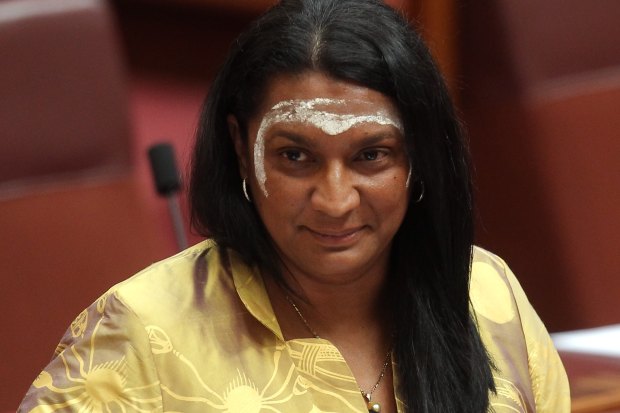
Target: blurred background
{"type": "Point", "coordinates": [86, 86]}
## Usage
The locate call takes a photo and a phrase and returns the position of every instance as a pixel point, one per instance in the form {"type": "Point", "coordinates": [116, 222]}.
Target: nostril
{"type": "Point", "coordinates": [336, 201]}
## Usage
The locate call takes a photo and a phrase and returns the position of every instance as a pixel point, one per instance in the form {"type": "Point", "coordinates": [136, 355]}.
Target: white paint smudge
{"type": "Point", "coordinates": [304, 111]}
{"type": "Point", "coordinates": [409, 176]}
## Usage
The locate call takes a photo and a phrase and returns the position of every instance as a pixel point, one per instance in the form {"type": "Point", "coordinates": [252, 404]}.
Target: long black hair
{"type": "Point", "coordinates": [442, 365]}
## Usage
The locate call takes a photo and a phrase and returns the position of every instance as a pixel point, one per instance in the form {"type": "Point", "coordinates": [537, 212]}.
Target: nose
{"type": "Point", "coordinates": [335, 193]}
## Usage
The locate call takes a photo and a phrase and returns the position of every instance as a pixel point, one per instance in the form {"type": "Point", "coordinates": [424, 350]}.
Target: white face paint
{"type": "Point", "coordinates": [305, 111]}
{"type": "Point", "coordinates": [409, 176]}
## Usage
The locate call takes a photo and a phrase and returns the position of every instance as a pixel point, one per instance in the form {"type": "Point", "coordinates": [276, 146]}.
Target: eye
{"type": "Point", "coordinates": [294, 155]}
{"type": "Point", "coordinates": [372, 155]}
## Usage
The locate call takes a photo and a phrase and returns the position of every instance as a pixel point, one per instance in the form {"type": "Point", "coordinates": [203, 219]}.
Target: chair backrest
{"type": "Point", "coordinates": [74, 218]}
{"type": "Point", "coordinates": [542, 102]}
{"type": "Point", "coordinates": [554, 39]}
{"type": "Point", "coordinates": [63, 111]}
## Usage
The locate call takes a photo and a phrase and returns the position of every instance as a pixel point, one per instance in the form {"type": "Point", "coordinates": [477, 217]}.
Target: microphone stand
{"type": "Point", "coordinates": [168, 184]}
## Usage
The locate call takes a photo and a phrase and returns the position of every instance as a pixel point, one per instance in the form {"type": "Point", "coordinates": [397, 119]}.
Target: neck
{"type": "Point", "coordinates": [338, 312]}
{"type": "Point", "coordinates": [333, 306]}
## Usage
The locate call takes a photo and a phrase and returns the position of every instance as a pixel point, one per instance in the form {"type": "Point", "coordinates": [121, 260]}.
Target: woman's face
{"type": "Point", "coordinates": [327, 170]}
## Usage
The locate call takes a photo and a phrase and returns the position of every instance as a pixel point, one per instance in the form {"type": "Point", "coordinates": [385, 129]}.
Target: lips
{"type": "Point", "coordinates": [336, 237]}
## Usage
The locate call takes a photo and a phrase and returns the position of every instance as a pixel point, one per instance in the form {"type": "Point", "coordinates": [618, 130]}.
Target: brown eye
{"type": "Point", "coordinates": [372, 155]}
{"type": "Point", "coordinates": [294, 155]}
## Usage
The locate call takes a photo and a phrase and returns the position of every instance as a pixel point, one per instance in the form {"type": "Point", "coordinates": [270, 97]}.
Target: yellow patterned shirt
{"type": "Point", "coordinates": [196, 333]}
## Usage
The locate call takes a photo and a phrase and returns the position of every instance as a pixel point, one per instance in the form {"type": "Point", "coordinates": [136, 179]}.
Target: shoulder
{"type": "Point", "coordinates": [153, 292]}
{"type": "Point", "coordinates": [526, 361]}
{"type": "Point", "coordinates": [122, 332]}
{"type": "Point", "coordinates": [492, 287]}
{"type": "Point", "coordinates": [484, 261]}
{"type": "Point", "coordinates": [171, 270]}
{"type": "Point", "coordinates": [163, 287]}
{"type": "Point", "coordinates": [174, 265]}
{"type": "Point", "coordinates": [496, 293]}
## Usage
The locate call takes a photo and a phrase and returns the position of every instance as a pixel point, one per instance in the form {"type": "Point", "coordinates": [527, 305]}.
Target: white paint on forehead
{"type": "Point", "coordinates": [305, 111]}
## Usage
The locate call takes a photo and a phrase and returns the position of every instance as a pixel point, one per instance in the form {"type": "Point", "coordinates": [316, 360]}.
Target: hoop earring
{"type": "Point", "coordinates": [422, 190]}
{"type": "Point", "coordinates": [245, 191]}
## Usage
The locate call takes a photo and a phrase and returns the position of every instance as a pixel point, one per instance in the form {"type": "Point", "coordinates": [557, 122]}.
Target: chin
{"type": "Point", "coordinates": [337, 269]}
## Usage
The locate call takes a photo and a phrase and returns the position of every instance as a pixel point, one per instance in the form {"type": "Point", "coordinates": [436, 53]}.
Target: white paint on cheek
{"type": "Point", "coordinates": [303, 111]}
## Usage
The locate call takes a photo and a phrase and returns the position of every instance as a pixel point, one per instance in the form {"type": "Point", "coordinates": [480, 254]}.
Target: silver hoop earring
{"type": "Point", "coordinates": [245, 190]}
{"type": "Point", "coordinates": [421, 196]}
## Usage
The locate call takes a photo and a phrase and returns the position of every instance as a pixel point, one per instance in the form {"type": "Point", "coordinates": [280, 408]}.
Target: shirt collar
{"type": "Point", "coordinates": [251, 290]}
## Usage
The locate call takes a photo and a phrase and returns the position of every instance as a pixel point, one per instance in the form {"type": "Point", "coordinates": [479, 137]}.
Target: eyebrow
{"type": "Point", "coordinates": [295, 137]}
{"type": "Point", "coordinates": [378, 137]}
{"type": "Point", "coordinates": [366, 141]}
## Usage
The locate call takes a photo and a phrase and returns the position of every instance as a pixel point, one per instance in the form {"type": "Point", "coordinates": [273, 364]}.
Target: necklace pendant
{"type": "Point", "coordinates": [373, 407]}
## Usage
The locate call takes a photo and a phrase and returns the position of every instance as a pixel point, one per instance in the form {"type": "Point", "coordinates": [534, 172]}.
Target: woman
{"type": "Point", "coordinates": [331, 175]}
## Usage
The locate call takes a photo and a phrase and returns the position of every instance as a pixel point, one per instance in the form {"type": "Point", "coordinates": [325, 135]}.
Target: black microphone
{"type": "Point", "coordinates": [164, 167]}
{"type": "Point", "coordinates": [168, 183]}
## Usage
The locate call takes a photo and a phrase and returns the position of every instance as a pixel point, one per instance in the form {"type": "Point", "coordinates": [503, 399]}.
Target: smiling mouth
{"type": "Point", "coordinates": [336, 237]}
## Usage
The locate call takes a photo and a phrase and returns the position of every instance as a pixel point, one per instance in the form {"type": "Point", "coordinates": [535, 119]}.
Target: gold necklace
{"type": "Point", "coordinates": [374, 407]}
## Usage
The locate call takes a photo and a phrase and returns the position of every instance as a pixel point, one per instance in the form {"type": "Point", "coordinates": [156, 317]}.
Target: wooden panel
{"type": "Point", "coordinates": [247, 6]}
{"type": "Point", "coordinates": [438, 21]}
{"type": "Point", "coordinates": [235, 6]}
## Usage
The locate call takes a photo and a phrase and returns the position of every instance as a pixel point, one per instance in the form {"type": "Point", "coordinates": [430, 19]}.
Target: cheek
{"type": "Point", "coordinates": [392, 184]}
{"type": "Point", "coordinates": [389, 195]}
{"type": "Point", "coordinates": [285, 199]}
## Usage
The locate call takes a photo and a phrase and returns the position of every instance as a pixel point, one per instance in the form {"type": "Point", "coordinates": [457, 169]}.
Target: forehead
{"type": "Point", "coordinates": [315, 91]}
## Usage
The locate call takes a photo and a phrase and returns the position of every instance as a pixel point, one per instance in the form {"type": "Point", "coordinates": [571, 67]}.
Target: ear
{"type": "Point", "coordinates": [240, 146]}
